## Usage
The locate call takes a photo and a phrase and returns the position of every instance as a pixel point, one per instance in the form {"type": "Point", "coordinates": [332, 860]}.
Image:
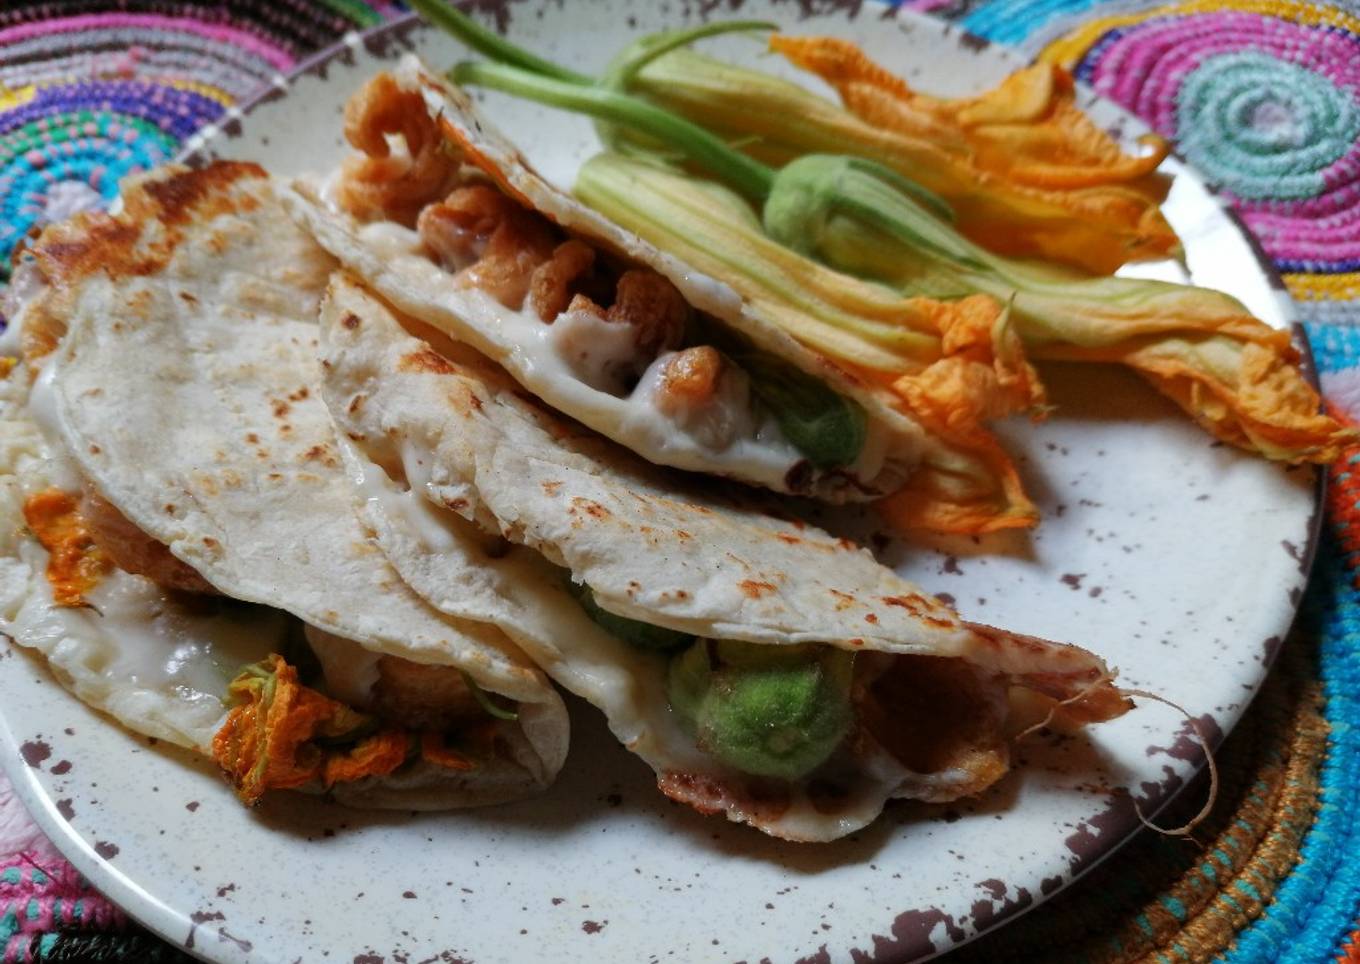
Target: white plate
{"type": "Point", "coordinates": [1178, 559]}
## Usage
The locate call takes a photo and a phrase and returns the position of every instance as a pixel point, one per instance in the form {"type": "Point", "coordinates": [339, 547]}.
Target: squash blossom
{"type": "Point", "coordinates": [1235, 375]}
{"type": "Point", "coordinates": [1027, 129]}
{"type": "Point", "coordinates": [1095, 208]}
{"type": "Point", "coordinates": [282, 735]}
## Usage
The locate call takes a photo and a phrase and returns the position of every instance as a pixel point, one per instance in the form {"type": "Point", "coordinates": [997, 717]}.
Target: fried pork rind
{"type": "Point", "coordinates": [454, 461]}
{"type": "Point", "coordinates": [381, 182]}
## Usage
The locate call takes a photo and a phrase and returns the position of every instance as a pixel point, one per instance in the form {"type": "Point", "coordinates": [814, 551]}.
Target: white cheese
{"type": "Point", "coordinates": [157, 663]}
{"type": "Point", "coordinates": [601, 353]}
{"type": "Point", "coordinates": [351, 671]}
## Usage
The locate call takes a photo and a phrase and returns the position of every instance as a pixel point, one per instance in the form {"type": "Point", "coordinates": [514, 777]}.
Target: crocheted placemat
{"type": "Point", "coordinates": [1262, 95]}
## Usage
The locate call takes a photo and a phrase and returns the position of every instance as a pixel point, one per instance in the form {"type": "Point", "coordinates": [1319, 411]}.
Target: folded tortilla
{"type": "Point", "coordinates": [492, 507]}
{"type": "Point", "coordinates": [177, 343]}
{"type": "Point", "coordinates": [444, 218]}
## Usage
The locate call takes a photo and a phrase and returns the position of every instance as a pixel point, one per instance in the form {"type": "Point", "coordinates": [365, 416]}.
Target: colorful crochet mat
{"type": "Point", "coordinates": [1263, 96]}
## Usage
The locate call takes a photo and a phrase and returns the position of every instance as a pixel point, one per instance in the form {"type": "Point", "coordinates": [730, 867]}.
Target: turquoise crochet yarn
{"type": "Point", "coordinates": [1262, 127]}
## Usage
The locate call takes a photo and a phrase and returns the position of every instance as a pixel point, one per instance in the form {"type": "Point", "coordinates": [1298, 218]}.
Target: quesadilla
{"type": "Point", "coordinates": [763, 668]}
{"type": "Point", "coordinates": [444, 218]}
{"type": "Point", "coordinates": [174, 345]}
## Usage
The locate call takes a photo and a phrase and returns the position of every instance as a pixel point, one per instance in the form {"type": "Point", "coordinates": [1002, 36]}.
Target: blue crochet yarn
{"type": "Point", "coordinates": [1011, 21]}
{"type": "Point", "coordinates": [1315, 906]}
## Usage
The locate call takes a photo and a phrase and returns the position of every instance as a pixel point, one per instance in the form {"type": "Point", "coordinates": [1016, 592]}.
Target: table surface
{"type": "Point", "coordinates": [1261, 95]}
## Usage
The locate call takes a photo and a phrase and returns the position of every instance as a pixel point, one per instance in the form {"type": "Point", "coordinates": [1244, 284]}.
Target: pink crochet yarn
{"type": "Point", "coordinates": [39, 891]}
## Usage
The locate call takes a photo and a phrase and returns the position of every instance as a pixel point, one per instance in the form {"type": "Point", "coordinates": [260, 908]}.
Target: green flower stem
{"type": "Point", "coordinates": [637, 55]}
{"type": "Point", "coordinates": [750, 178]}
{"type": "Point", "coordinates": [491, 44]}
{"type": "Point", "coordinates": [485, 702]}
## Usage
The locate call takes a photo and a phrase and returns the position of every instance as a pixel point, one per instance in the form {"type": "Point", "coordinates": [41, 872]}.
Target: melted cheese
{"type": "Point", "coordinates": [601, 353]}
{"type": "Point", "coordinates": [552, 366]}
{"type": "Point", "coordinates": [159, 664]}
{"type": "Point", "coordinates": [351, 671]}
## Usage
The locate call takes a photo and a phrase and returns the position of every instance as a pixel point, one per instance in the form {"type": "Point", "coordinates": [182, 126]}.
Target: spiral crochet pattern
{"type": "Point", "coordinates": [1261, 95]}
{"type": "Point", "coordinates": [88, 95]}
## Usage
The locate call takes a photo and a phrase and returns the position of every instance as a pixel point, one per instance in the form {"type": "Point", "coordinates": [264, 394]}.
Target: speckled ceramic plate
{"type": "Point", "coordinates": [1178, 559]}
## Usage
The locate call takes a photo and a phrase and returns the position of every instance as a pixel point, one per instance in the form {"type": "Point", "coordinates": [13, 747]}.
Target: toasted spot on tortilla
{"type": "Point", "coordinates": [426, 359]}
{"type": "Point", "coordinates": [139, 302]}
{"type": "Point", "coordinates": [94, 240]}
{"type": "Point", "coordinates": [196, 193]}
{"type": "Point", "coordinates": [321, 453]}
{"type": "Point", "coordinates": [843, 599]}
{"type": "Point", "coordinates": [911, 603]}
{"type": "Point", "coordinates": [590, 508]}
{"type": "Point", "coordinates": [754, 588]}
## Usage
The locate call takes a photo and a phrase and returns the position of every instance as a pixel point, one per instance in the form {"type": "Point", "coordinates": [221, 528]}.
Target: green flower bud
{"type": "Point", "coordinates": [774, 711]}
{"type": "Point", "coordinates": [862, 217]}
